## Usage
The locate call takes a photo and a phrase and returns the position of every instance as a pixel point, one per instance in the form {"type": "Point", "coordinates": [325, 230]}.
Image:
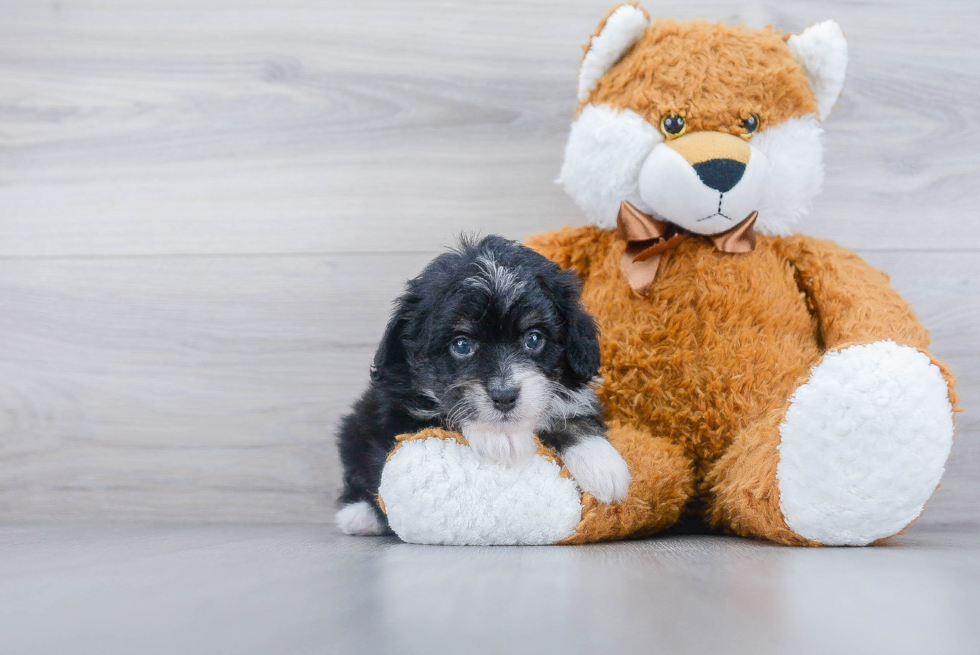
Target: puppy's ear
{"type": "Point", "coordinates": [582, 344]}
{"type": "Point", "coordinates": [581, 336]}
{"type": "Point", "coordinates": [391, 358]}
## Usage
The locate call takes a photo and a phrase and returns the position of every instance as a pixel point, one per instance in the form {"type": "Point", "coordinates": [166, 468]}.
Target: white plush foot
{"type": "Point", "coordinates": [359, 519]}
{"type": "Point", "coordinates": [492, 445]}
{"type": "Point", "coordinates": [598, 468]}
{"type": "Point", "coordinates": [864, 444]}
{"type": "Point", "coordinates": [437, 491]}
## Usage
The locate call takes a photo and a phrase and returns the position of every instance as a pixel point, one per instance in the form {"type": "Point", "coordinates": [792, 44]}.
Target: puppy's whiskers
{"type": "Point", "coordinates": [463, 408]}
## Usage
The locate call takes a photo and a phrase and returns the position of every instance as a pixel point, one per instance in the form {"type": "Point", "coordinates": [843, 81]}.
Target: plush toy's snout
{"type": "Point", "coordinates": [706, 182]}
{"type": "Point", "coordinates": [719, 159]}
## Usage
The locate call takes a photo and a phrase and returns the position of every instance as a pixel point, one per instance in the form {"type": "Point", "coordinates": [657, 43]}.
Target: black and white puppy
{"type": "Point", "coordinates": [490, 340]}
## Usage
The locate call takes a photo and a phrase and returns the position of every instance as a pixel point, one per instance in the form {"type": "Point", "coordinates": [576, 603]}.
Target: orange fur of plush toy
{"type": "Point", "coordinates": [712, 75]}
{"type": "Point", "coordinates": [709, 359]}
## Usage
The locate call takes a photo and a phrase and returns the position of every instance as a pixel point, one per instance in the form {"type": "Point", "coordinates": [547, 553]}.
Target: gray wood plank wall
{"type": "Point", "coordinates": [206, 207]}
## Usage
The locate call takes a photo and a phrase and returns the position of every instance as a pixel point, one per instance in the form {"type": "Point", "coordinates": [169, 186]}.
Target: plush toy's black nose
{"type": "Point", "coordinates": [504, 398]}
{"type": "Point", "coordinates": [720, 174]}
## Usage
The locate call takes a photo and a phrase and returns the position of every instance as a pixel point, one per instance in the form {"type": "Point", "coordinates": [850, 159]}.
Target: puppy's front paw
{"type": "Point", "coordinates": [359, 519]}
{"type": "Point", "coordinates": [598, 468]}
{"type": "Point", "coordinates": [509, 449]}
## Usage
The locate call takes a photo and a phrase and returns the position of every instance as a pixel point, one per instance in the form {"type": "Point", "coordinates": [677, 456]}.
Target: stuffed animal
{"type": "Point", "coordinates": [767, 384]}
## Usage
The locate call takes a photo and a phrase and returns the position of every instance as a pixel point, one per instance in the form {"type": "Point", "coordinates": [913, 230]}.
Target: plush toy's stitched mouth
{"type": "Point", "coordinates": [721, 196]}
{"type": "Point", "coordinates": [715, 214]}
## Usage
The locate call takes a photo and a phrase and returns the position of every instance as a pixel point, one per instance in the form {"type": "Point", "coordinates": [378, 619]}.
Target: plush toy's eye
{"type": "Point", "coordinates": [534, 341]}
{"type": "Point", "coordinates": [673, 125]}
{"type": "Point", "coordinates": [462, 347]}
{"type": "Point", "coordinates": [750, 125]}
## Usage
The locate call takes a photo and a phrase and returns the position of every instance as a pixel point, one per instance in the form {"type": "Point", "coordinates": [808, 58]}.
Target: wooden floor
{"type": "Point", "coordinates": [97, 588]}
{"type": "Point", "coordinates": [205, 209]}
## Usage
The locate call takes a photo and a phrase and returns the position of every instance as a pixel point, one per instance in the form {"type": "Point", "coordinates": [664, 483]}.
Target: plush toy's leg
{"type": "Point", "coordinates": [742, 487]}
{"type": "Point", "coordinates": [663, 481]}
{"type": "Point", "coordinates": [851, 459]}
{"type": "Point", "coordinates": [435, 490]}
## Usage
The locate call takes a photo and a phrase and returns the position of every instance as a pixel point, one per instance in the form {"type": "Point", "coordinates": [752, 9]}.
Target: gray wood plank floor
{"type": "Point", "coordinates": [223, 588]}
{"type": "Point", "coordinates": [205, 209]}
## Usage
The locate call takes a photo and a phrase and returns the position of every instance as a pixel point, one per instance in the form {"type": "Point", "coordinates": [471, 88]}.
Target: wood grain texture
{"type": "Point", "coordinates": [248, 127]}
{"type": "Point", "coordinates": [189, 589]}
{"type": "Point", "coordinates": [206, 208]}
{"type": "Point", "coordinates": [205, 385]}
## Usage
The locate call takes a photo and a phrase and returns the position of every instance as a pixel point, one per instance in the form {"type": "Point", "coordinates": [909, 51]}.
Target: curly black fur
{"type": "Point", "coordinates": [494, 292]}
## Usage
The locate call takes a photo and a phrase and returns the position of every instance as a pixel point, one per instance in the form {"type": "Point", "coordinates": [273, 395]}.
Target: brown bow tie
{"type": "Point", "coordinates": [647, 239]}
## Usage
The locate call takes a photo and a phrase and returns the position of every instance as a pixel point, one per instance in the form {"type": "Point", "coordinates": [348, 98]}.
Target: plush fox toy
{"type": "Point", "coordinates": [770, 385]}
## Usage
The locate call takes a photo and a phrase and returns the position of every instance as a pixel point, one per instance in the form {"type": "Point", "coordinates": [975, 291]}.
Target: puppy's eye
{"type": "Point", "coordinates": [534, 341]}
{"type": "Point", "coordinates": [673, 125]}
{"type": "Point", "coordinates": [462, 347]}
{"type": "Point", "coordinates": [750, 125]}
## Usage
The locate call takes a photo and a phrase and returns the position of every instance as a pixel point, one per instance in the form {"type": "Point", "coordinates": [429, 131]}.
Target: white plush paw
{"type": "Point", "coordinates": [598, 468]}
{"type": "Point", "coordinates": [864, 444]}
{"type": "Point", "coordinates": [437, 491]}
{"type": "Point", "coordinates": [495, 446]}
{"type": "Point", "coordinates": [359, 519]}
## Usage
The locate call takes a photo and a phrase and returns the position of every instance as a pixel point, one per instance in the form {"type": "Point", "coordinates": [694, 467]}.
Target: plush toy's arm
{"type": "Point", "coordinates": [853, 302]}
{"type": "Point", "coordinates": [568, 247]}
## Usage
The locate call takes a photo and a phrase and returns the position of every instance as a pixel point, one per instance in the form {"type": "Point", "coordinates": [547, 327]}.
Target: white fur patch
{"type": "Point", "coordinates": [358, 519]}
{"type": "Point", "coordinates": [822, 51]}
{"type": "Point", "coordinates": [622, 29]}
{"type": "Point", "coordinates": [497, 280]}
{"type": "Point", "coordinates": [598, 468]}
{"type": "Point", "coordinates": [864, 444]}
{"type": "Point", "coordinates": [507, 438]}
{"type": "Point", "coordinates": [671, 187]}
{"type": "Point", "coordinates": [567, 404]}
{"type": "Point", "coordinates": [436, 491]}
{"type": "Point", "coordinates": [794, 149]}
{"type": "Point", "coordinates": [500, 445]}
{"type": "Point", "coordinates": [605, 150]}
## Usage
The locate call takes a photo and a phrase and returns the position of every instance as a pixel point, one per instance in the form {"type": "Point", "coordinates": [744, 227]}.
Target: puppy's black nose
{"type": "Point", "coordinates": [720, 174]}
{"type": "Point", "coordinates": [504, 398]}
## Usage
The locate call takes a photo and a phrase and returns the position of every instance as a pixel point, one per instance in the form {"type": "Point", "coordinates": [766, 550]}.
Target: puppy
{"type": "Point", "coordinates": [490, 340]}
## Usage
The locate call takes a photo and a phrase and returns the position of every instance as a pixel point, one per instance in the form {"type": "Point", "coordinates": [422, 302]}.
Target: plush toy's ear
{"type": "Point", "coordinates": [616, 34]}
{"type": "Point", "coordinates": [822, 51]}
